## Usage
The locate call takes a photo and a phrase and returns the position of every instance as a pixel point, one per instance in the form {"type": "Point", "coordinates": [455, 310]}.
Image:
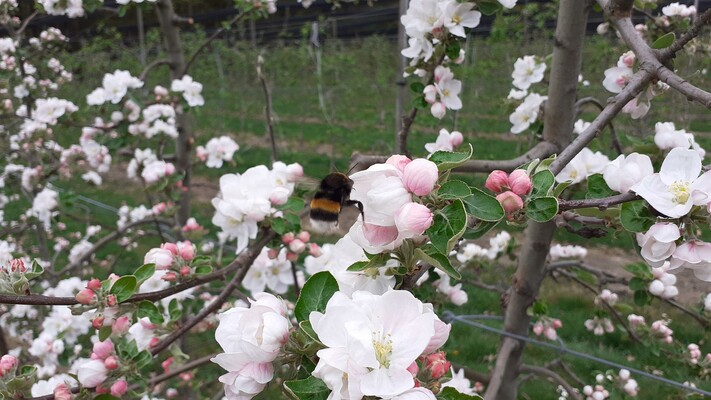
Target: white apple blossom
{"type": "Point", "coordinates": [667, 137]}
{"type": "Point", "coordinates": [336, 258]}
{"type": "Point", "coordinates": [460, 383]}
{"type": "Point", "coordinates": [558, 251]}
{"type": "Point", "coordinates": [445, 141]}
{"type": "Point", "coordinates": [142, 332]}
{"type": "Point", "coordinates": [580, 126]}
{"type": "Point", "coordinates": [677, 187]}
{"type": "Point", "coordinates": [267, 272]}
{"type": "Point", "coordinates": [46, 387]}
{"type": "Point", "coordinates": [664, 284]}
{"type": "Point", "coordinates": [370, 342]}
{"type": "Point", "coordinates": [527, 70]}
{"type": "Point", "coordinates": [526, 113]}
{"type": "Point", "coordinates": [42, 206]}
{"type": "Point", "coordinates": [517, 94]}
{"type": "Point", "coordinates": [694, 255]}
{"type": "Point", "coordinates": [157, 170]}
{"type": "Point", "coordinates": [251, 339]}
{"type": "Point", "coordinates": [583, 165]}
{"type": "Point", "coordinates": [49, 109]}
{"type": "Point", "coordinates": [707, 302]}
{"type": "Point", "coordinates": [508, 3]}
{"type": "Point", "coordinates": [599, 326]}
{"type": "Point", "coordinates": [625, 172]}
{"type": "Point", "coordinates": [191, 90]}
{"type": "Point", "coordinates": [678, 10]}
{"type": "Point", "coordinates": [455, 294]}
{"type": "Point", "coordinates": [658, 243]}
{"type": "Point", "coordinates": [217, 151]}
{"type": "Point", "coordinates": [91, 373]}
{"type": "Point", "coordinates": [457, 16]}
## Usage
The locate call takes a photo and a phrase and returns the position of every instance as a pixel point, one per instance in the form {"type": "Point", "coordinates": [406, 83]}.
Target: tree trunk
{"type": "Point", "coordinates": [558, 126]}
{"type": "Point", "coordinates": [183, 145]}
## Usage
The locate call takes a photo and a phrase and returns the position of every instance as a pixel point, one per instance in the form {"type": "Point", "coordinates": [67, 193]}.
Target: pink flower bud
{"type": "Point", "coordinates": [556, 324]}
{"type": "Point", "coordinates": [538, 328]}
{"type": "Point", "coordinates": [420, 176]}
{"type": "Point", "coordinates": [154, 342]}
{"type": "Point", "coordinates": [510, 201]}
{"type": "Point", "coordinates": [7, 363]}
{"type": "Point", "coordinates": [186, 250]}
{"type": "Point", "coordinates": [497, 181]}
{"type": "Point", "coordinates": [111, 300]}
{"type": "Point", "coordinates": [85, 296]}
{"type": "Point", "coordinates": [279, 196]}
{"type": "Point", "coordinates": [287, 238]}
{"type": "Point", "coordinates": [159, 208]}
{"type": "Point", "coordinates": [304, 236]}
{"type": "Point", "coordinates": [169, 276]}
{"type": "Point", "coordinates": [186, 376]}
{"type": "Point", "coordinates": [102, 390]}
{"type": "Point", "coordinates": [171, 393]}
{"type": "Point", "coordinates": [439, 338]}
{"type": "Point", "coordinates": [438, 110]}
{"type": "Point", "coordinates": [17, 265]}
{"type": "Point", "coordinates": [314, 249]}
{"type": "Point", "coordinates": [120, 326]}
{"type": "Point", "coordinates": [94, 284]}
{"type": "Point", "coordinates": [413, 369]}
{"type": "Point", "coordinates": [166, 364]}
{"type": "Point", "coordinates": [185, 271]}
{"type": "Point", "coordinates": [430, 93]}
{"type": "Point", "coordinates": [458, 297]}
{"type": "Point", "coordinates": [97, 322]}
{"type": "Point", "coordinates": [413, 219]}
{"type": "Point", "coordinates": [550, 333]}
{"type": "Point", "coordinates": [272, 253]}
{"type": "Point", "coordinates": [171, 247]}
{"type": "Point", "coordinates": [297, 246]}
{"type": "Point", "coordinates": [292, 256]}
{"type": "Point", "coordinates": [519, 182]}
{"type": "Point", "coordinates": [398, 161]}
{"type": "Point", "coordinates": [111, 362]}
{"type": "Point", "coordinates": [437, 364]}
{"type": "Point", "coordinates": [456, 138]}
{"type": "Point", "coordinates": [119, 388]}
{"type": "Point", "coordinates": [103, 349]}
{"type": "Point", "coordinates": [62, 392]}
{"type": "Point", "coordinates": [295, 171]}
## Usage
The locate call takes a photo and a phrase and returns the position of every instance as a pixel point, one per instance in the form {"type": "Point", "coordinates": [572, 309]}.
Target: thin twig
{"type": "Point", "coordinates": [214, 36]}
{"type": "Point", "coordinates": [151, 66]}
{"type": "Point", "coordinates": [602, 204]}
{"type": "Point", "coordinates": [543, 371]}
{"type": "Point", "coordinates": [267, 106]}
{"type": "Point", "coordinates": [597, 103]}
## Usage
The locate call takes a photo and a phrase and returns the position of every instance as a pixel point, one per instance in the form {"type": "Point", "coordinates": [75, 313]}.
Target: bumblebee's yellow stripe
{"type": "Point", "coordinates": [326, 205]}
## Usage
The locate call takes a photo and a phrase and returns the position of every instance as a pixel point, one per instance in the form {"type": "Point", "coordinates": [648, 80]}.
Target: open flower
{"type": "Point", "coordinates": [659, 242]}
{"type": "Point", "coordinates": [694, 255]}
{"type": "Point", "coordinates": [625, 172]}
{"type": "Point", "coordinates": [371, 341]}
{"type": "Point", "coordinates": [677, 187]}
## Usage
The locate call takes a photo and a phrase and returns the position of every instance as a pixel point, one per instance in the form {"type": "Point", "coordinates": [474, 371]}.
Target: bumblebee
{"type": "Point", "coordinates": [333, 194]}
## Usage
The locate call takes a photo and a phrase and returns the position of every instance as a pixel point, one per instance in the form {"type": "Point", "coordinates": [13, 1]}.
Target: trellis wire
{"type": "Point", "coordinates": [448, 316]}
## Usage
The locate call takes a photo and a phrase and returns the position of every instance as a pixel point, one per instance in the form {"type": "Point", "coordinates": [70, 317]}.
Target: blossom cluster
{"type": "Point", "coordinates": [251, 338]}
{"type": "Point", "coordinates": [527, 71]}
{"type": "Point", "coordinates": [498, 245]}
{"type": "Point", "coordinates": [509, 188]}
{"type": "Point", "coordinates": [246, 199]}
{"type": "Point", "coordinates": [386, 193]}
{"type": "Point", "coordinates": [371, 342]}
{"type": "Point", "coordinates": [217, 151]}
{"type": "Point", "coordinates": [616, 78]}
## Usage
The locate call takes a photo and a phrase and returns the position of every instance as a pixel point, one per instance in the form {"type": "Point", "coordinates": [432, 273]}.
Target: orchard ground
{"type": "Point", "coordinates": [356, 113]}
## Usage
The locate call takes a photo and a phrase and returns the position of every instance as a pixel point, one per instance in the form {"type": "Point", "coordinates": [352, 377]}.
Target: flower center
{"type": "Point", "coordinates": [456, 19]}
{"type": "Point", "coordinates": [383, 349]}
{"type": "Point", "coordinates": [681, 191]}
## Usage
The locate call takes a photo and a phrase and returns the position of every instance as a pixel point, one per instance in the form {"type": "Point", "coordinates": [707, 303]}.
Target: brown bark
{"type": "Point", "coordinates": [558, 126]}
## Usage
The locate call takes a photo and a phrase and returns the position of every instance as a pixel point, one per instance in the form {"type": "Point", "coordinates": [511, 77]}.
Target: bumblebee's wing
{"type": "Point", "coordinates": [308, 183]}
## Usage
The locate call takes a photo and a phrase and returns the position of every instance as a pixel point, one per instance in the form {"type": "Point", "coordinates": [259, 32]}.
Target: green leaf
{"type": "Point", "coordinates": [642, 298]}
{"type": "Point", "coordinates": [315, 295]}
{"type": "Point", "coordinates": [419, 102]}
{"type": "Point", "coordinates": [446, 160]}
{"type": "Point", "coordinates": [540, 308]}
{"type": "Point", "coordinates": [124, 288]}
{"type": "Point", "coordinates": [544, 165]}
{"type": "Point", "coordinates": [450, 393]}
{"type": "Point", "coordinates": [664, 41]}
{"type": "Point", "coordinates": [635, 217]}
{"type": "Point", "coordinates": [203, 269]}
{"type": "Point", "coordinates": [105, 396]}
{"type": "Point", "coordinates": [199, 260]}
{"type": "Point", "coordinates": [148, 309]}
{"type": "Point", "coordinates": [483, 206]}
{"type": "Point", "coordinates": [453, 189]}
{"type": "Point", "coordinates": [37, 270]}
{"type": "Point", "coordinates": [438, 260]}
{"type": "Point", "coordinates": [597, 187]}
{"type": "Point", "coordinates": [640, 270]}
{"type": "Point", "coordinates": [637, 284]}
{"type": "Point", "coordinates": [144, 272]}
{"type": "Point", "coordinates": [26, 377]}
{"type": "Point", "coordinates": [104, 333]}
{"type": "Point", "coordinates": [374, 261]}
{"type": "Point", "coordinates": [560, 188]}
{"type": "Point", "coordinates": [489, 8]}
{"type": "Point", "coordinates": [479, 229]}
{"type": "Point", "coordinates": [453, 49]}
{"type": "Point", "coordinates": [142, 359]}
{"type": "Point", "coordinates": [417, 87]}
{"type": "Point", "coordinates": [280, 226]}
{"type": "Point", "coordinates": [174, 310]}
{"type": "Point", "coordinates": [448, 226]}
{"type": "Point", "coordinates": [293, 204]}
{"type": "Point", "coordinates": [308, 330]}
{"type": "Point", "coordinates": [310, 388]}
{"type": "Point", "coordinates": [542, 209]}
{"type": "Point", "coordinates": [127, 350]}
{"type": "Point", "coordinates": [542, 183]}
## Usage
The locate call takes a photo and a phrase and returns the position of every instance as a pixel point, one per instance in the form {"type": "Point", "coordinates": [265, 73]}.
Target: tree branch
{"type": "Point", "coordinates": [602, 204]}
{"type": "Point", "coordinates": [546, 372]}
{"type": "Point", "coordinates": [691, 92]}
{"type": "Point", "coordinates": [245, 258]}
{"type": "Point", "coordinates": [151, 66]}
{"type": "Point", "coordinates": [267, 107]}
{"type": "Point", "coordinates": [212, 37]}
{"type": "Point", "coordinates": [613, 134]}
